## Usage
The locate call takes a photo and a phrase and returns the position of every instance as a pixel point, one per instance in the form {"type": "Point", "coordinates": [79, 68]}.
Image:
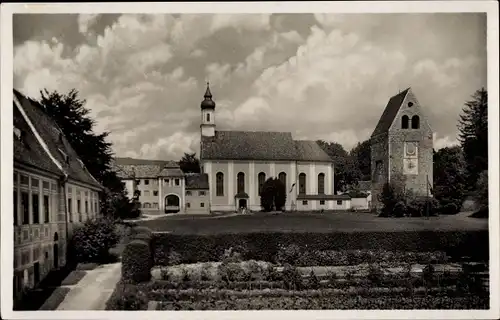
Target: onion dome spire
{"type": "Point", "coordinates": [208, 103]}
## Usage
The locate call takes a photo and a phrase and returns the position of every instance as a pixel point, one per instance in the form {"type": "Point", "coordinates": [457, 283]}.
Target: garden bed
{"type": "Point", "coordinates": [329, 303]}
{"type": "Point", "coordinates": [73, 278]}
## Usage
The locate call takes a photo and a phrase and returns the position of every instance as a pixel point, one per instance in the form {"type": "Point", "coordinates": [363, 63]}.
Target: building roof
{"type": "Point", "coordinates": [390, 112]}
{"type": "Point", "coordinates": [128, 168]}
{"type": "Point", "coordinates": [323, 197]}
{"type": "Point", "coordinates": [56, 142]}
{"type": "Point", "coordinates": [197, 181]}
{"type": "Point", "coordinates": [27, 150]}
{"type": "Point", "coordinates": [260, 145]}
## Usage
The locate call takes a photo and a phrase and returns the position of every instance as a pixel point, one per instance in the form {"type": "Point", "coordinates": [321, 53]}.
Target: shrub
{"type": "Point", "coordinates": [137, 261]}
{"type": "Point", "coordinates": [423, 206]}
{"type": "Point", "coordinates": [389, 198]}
{"type": "Point", "coordinates": [375, 274]}
{"type": "Point", "coordinates": [127, 297]}
{"type": "Point", "coordinates": [292, 279]}
{"type": "Point", "coordinates": [165, 274]}
{"type": "Point", "coordinates": [482, 191]}
{"type": "Point", "coordinates": [289, 254]}
{"type": "Point", "coordinates": [399, 209]}
{"type": "Point", "coordinates": [174, 258]}
{"type": "Point", "coordinates": [449, 208]}
{"type": "Point", "coordinates": [428, 274]}
{"type": "Point", "coordinates": [271, 273]}
{"type": "Point", "coordinates": [313, 281]}
{"type": "Point", "coordinates": [231, 271]}
{"type": "Point", "coordinates": [92, 240]}
{"type": "Point", "coordinates": [273, 195]}
{"type": "Point", "coordinates": [255, 271]}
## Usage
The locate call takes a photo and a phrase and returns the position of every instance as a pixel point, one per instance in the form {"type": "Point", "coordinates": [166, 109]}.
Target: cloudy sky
{"type": "Point", "coordinates": [323, 76]}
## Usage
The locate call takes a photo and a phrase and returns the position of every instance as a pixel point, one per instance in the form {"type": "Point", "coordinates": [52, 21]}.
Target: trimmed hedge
{"type": "Point", "coordinates": [137, 261]}
{"type": "Point", "coordinates": [266, 246]}
{"type": "Point", "coordinates": [55, 299]}
{"type": "Point", "coordinates": [127, 297]}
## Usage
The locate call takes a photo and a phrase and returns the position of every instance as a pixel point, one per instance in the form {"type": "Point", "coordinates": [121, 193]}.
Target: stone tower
{"type": "Point", "coordinates": [207, 125]}
{"type": "Point", "coordinates": [402, 148]}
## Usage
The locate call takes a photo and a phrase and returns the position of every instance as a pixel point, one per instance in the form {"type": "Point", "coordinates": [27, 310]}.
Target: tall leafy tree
{"type": "Point", "coordinates": [345, 170]}
{"type": "Point", "coordinates": [361, 155]}
{"type": "Point", "coordinates": [473, 136]}
{"type": "Point", "coordinates": [273, 195]}
{"type": "Point", "coordinates": [70, 114]}
{"type": "Point", "coordinates": [449, 178]}
{"type": "Point", "coordinates": [189, 163]}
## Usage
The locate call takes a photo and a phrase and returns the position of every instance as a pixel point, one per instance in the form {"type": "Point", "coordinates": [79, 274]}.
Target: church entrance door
{"type": "Point", "coordinates": [242, 203]}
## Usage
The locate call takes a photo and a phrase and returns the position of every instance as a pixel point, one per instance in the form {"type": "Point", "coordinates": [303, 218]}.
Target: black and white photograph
{"type": "Point", "coordinates": [307, 160]}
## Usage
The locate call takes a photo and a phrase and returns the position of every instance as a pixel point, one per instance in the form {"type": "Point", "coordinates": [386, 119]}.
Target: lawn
{"type": "Point", "coordinates": [310, 222]}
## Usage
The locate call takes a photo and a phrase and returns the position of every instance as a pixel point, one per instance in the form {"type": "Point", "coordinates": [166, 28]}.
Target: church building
{"type": "Point", "coordinates": [238, 163]}
{"type": "Point", "coordinates": [402, 148]}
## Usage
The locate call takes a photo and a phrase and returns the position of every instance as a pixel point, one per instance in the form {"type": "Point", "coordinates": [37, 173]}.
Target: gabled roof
{"type": "Point", "coordinates": [27, 150]}
{"type": "Point", "coordinates": [56, 142]}
{"type": "Point", "coordinates": [260, 145]}
{"type": "Point", "coordinates": [197, 181]}
{"type": "Point", "coordinates": [128, 168]}
{"type": "Point", "coordinates": [390, 112]}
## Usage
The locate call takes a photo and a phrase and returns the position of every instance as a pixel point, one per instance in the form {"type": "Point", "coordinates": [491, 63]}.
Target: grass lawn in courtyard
{"type": "Point", "coordinates": [310, 222]}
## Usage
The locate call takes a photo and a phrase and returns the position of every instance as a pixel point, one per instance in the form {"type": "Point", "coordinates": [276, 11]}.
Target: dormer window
{"type": "Point", "coordinates": [64, 155]}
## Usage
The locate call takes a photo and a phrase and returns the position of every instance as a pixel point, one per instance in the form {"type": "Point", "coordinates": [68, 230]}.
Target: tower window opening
{"type": "Point", "coordinates": [405, 122]}
{"type": "Point", "coordinates": [415, 122]}
{"type": "Point", "coordinates": [208, 117]}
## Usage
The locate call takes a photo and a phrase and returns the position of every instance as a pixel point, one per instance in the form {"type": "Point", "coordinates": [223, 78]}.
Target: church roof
{"type": "Point", "coordinates": [390, 112]}
{"type": "Point", "coordinates": [260, 145]}
{"type": "Point", "coordinates": [197, 181]}
{"type": "Point", "coordinates": [57, 144]}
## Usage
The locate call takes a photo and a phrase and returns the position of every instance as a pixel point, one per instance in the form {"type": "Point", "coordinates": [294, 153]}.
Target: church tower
{"type": "Point", "coordinates": [207, 115]}
{"type": "Point", "coordinates": [402, 148]}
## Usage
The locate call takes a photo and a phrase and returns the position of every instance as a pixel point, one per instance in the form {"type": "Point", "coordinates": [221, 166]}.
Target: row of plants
{"type": "Point", "coordinates": [231, 275]}
{"type": "Point", "coordinates": [323, 248]}
{"type": "Point", "coordinates": [329, 303]}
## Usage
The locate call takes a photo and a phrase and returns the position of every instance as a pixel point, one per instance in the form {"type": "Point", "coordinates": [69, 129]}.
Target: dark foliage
{"type": "Point", "coordinates": [449, 179]}
{"type": "Point", "coordinates": [137, 261]}
{"type": "Point", "coordinates": [482, 192]}
{"type": "Point", "coordinates": [346, 169]}
{"type": "Point", "coordinates": [473, 127]}
{"type": "Point", "coordinates": [267, 245]}
{"type": "Point", "coordinates": [361, 155]}
{"type": "Point", "coordinates": [273, 195]}
{"type": "Point", "coordinates": [189, 163]}
{"type": "Point", "coordinates": [92, 240]}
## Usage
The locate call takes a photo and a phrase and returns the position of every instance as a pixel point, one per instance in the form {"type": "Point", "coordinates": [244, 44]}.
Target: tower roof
{"type": "Point", "coordinates": [390, 112]}
{"type": "Point", "coordinates": [208, 103]}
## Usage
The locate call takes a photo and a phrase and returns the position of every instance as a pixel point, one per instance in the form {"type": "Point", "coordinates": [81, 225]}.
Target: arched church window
{"type": "Point", "coordinates": [219, 184]}
{"type": "Point", "coordinates": [208, 117]}
{"type": "Point", "coordinates": [321, 183]}
{"type": "Point", "coordinates": [415, 122]}
{"type": "Point", "coordinates": [302, 183]}
{"type": "Point", "coordinates": [404, 122]}
{"type": "Point", "coordinates": [262, 179]}
{"type": "Point", "coordinates": [240, 182]}
{"type": "Point", "coordinates": [282, 177]}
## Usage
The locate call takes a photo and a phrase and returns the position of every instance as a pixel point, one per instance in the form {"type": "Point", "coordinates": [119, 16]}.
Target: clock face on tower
{"type": "Point", "coordinates": [411, 149]}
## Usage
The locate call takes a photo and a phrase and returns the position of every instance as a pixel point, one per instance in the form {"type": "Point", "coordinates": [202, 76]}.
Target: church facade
{"type": "Point", "coordinates": [402, 148]}
{"type": "Point", "coordinates": [238, 163]}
